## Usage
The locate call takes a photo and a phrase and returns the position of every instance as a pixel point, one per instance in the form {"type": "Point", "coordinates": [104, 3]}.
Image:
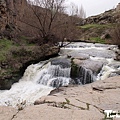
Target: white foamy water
{"type": "Point", "coordinates": [36, 82]}
{"type": "Point", "coordinates": [96, 52]}
{"type": "Point", "coordinates": [41, 78]}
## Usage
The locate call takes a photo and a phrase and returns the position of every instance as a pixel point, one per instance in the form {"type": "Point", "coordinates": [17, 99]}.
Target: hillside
{"type": "Point", "coordinates": [97, 28]}
{"type": "Point", "coordinates": [22, 45]}
{"type": "Point", "coordinates": [16, 51]}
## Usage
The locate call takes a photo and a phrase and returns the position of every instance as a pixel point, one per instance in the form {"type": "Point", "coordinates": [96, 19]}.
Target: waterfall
{"type": "Point", "coordinates": [55, 76]}
{"type": "Point", "coordinates": [112, 68]}
{"type": "Point", "coordinates": [84, 76]}
{"type": "Point", "coordinates": [37, 81]}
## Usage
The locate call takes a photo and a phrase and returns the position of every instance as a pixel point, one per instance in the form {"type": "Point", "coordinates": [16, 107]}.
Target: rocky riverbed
{"type": "Point", "coordinates": [71, 103]}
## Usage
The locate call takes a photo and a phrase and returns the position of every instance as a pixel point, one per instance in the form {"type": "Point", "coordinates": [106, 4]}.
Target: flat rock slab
{"type": "Point", "coordinates": [86, 102]}
{"type": "Point", "coordinates": [45, 112]}
{"type": "Point", "coordinates": [7, 113]}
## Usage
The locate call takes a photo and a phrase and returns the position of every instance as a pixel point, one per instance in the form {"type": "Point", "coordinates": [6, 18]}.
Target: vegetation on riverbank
{"type": "Point", "coordinates": [14, 58]}
{"type": "Point", "coordinates": [97, 33]}
{"type": "Point", "coordinates": [97, 26]}
{"type": "Point", "coordinates": [24, 41]}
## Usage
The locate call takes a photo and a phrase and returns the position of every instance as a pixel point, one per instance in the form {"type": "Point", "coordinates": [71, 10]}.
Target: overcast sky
{"type": "Point", "coordinates": [94, 7]}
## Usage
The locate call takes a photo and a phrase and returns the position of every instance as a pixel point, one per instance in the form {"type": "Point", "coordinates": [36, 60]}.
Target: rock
{"type": "Point", "coordinates": [117, 51]}
{"type": "Point", "coordinates": [45, 112]}
{"type": "Point", "coordinates": [7, 113]}
{"type": "Point", "coordinates": [3, 14]}
{"type": "Point", "coordinates": [85, 71]}
{"type": "Point", "coordinates": [109, 16]}
{"type": "Point", "coordinates": [63, 62]}
{"type": "Point", "coordinates": [72, 103]}
{"type": "Point", "coordinates": [80, 56]}
{"type": "Point", "coordinates": [50, 99]}
{"type": "Point", "coordinates": [118, 7]}
{"type": "Point", "coordinates": [95, 66]}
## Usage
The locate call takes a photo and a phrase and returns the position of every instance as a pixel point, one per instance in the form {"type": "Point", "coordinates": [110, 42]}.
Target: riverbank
{"type": "Point", "coordinates": [14, 59]}
{"type": "Point", "coordinates": [72, 103]}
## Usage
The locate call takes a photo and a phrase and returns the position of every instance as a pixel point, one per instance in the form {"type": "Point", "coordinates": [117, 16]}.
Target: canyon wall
{"type": "Point", "coordinates": [10, 13]}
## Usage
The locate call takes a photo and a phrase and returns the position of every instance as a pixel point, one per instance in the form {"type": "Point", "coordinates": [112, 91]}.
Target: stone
{"type": "Point", "coordinates": [49, 99]}
{"type": "Point", "coordinates": [63, 62]}
{"type": "Point", "coordinates": [95, 66]}
{"type": "Point", "coordinates": [72, 103]}
{"type": "Point", "coordinates": [80, 56]}
{"type": "Point", "coordinates": [7, 113]}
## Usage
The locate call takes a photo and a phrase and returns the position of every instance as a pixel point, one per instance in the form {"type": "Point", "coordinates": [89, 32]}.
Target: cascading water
{"type": "Point", "coordinates": [98, 53]}
{"type": "Point", "coordinates": [85, 76]}
{"type": "Point", "coordinates": [38, 80]}
{"type": "Point", "coordinates": [41, 78]}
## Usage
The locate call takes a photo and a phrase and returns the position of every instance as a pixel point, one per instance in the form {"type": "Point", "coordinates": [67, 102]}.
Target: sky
{"type": "Point", "coordinates": [94, 7]}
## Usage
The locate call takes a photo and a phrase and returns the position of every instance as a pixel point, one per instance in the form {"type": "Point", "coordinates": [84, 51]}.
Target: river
{"type": "Point", "coordinates": [41, 78]}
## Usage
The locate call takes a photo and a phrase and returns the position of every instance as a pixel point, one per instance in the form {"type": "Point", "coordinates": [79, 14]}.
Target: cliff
{"type": "Point", "coordinates": [3, 15]}
{"type": "Point", "coordinates": [11, 11]}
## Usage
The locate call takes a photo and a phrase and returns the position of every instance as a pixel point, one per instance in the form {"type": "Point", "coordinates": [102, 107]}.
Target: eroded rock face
{"type": "Point", "coordinates": [118, 7]}
{"type": "Point", "coordinates": [85, 71]}
{"type": "Point", "coordinates": [117, 55]}
{"type": "Point", "coordinates": [3, 14]}
{"type": "Point", "coordinates": [110, 16]}
{"type": "Point", "coordinates": [11, 11]}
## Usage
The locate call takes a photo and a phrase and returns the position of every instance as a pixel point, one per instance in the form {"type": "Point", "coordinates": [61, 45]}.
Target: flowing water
{"type": "Point", "coordinates": [97, 52]}
{"type": "Point", "coordinates": [39, 79]}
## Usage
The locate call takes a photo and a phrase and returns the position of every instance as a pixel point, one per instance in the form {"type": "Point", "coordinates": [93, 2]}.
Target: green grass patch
{"type": "Point", "coordinates": [97, 40]}
{"type": "Point", "coordinates": [5, 46]}
{"type": "Point", "coordinates": [97, 26]}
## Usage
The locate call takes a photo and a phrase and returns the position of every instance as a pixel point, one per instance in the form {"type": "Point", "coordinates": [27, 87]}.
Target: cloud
{"type": "Point", "coordinates": [94, 7]}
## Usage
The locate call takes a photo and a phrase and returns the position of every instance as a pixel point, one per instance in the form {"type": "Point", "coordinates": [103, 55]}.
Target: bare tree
{"type": "Point", "coordinates": [51, 22]}
{"type": "Point", "coordinates": [45, 13]}
{"type": "Point", "coordinates": [77, 11]}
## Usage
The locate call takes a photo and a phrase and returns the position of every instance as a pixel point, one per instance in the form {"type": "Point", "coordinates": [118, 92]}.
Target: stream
{"type": "Point", "coordinates": [41, 78]}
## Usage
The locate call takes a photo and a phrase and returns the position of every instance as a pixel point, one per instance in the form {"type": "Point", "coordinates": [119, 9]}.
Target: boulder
{"type": "Point", "coordinates": [85, 71]}
{"type": "Point", "coordinates": [63, 62]}
{"type": "Point", "coordinates": [94, 66]}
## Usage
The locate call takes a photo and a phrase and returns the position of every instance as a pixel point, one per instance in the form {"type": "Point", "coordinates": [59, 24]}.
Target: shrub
{"type": "Point", "coordinates": [115, 34]}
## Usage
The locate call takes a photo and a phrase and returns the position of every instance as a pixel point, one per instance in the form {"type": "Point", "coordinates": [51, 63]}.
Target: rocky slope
{"type": "Point", "coordinates": [110, 16]}
{"type": "Point", "coordinates": [10, 12]}
{"type": "Point", "coordinates": [98, 28]}
{"type": "Point", "coordinates": [71, 103]}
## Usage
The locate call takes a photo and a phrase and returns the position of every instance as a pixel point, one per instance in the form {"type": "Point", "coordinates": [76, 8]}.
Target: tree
{"type": "Point", "coordinates": [77, 11]}
{"type": "Point", "coordinates": [51, 22]}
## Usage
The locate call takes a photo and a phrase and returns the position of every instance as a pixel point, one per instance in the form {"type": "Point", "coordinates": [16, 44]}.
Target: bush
{"type": "Point", "coordinates": [115, 34]}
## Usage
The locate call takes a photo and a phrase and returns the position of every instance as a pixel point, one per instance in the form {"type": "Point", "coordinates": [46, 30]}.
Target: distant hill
{"type": "Point", "coordinates": [97, 28]}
